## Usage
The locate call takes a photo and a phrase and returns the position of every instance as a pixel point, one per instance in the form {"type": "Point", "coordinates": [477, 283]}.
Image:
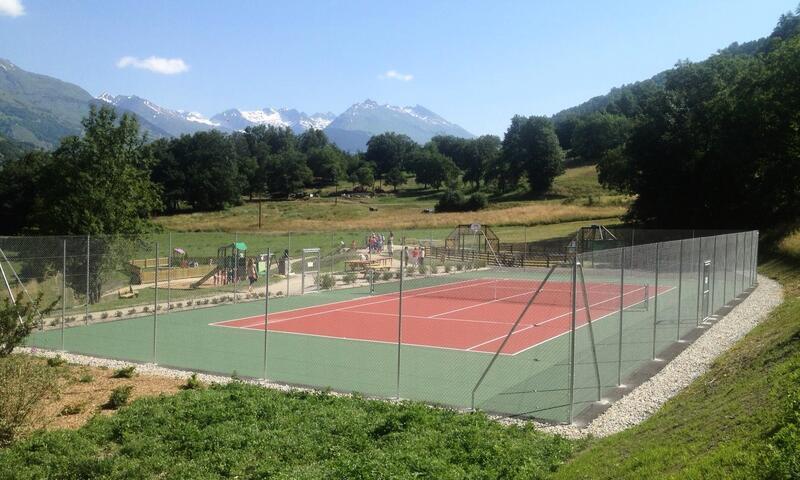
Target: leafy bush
{"type": "Point", "coordinates": [326, 281]}
{"type": "Point", "coordinates": [410, 271]}
{"type": "Point", "coordinates": [448, 268]}
{"type": "Point", "coordinates": [387, 275]}
{"type": "Point", "coordinates": [125, 372]}
{"type": "Point", "coordinates": [56, 361]}
{"type": "Point", "coordinates": [459, 267]}
{"type": "Point", "coordinates": [118, 313]}
{"type": "Point", "coordinates": [455, 201]}
{"type": "Point", "coordinates": [131, 311]}
{"type": "Point", "coordinates": [12, 330]}
{"type": "Point", "coordinates": [86, 378]}
{"type": "Point", "coordinates": [119, 397]}
{"type": "Point", "coordinates": [71, 409]}
{"type": "Point", "coordinates": [422, 269]}
{"type": "Point", "coordinates": [23, 383]}
{"type": "Point", "coordinates": [192, 383]}
{"type": "Point", "coordinates": [349, 278]}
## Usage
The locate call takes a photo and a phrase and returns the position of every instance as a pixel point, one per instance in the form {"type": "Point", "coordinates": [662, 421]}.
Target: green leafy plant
{"type": "Point", "coordinates": [18, 319]}
{"type": "Point", "coordinates": [56, 361]}
{"type": "Point", "coordinates": [387, 275]}
{"type": "Point", "coordinates": [326, 281]}
{"type": "Point", "coordinates": [125, 372]}
{"type": "Point", "coordinates": [192, 383]}
{"type": "Point", "coordinates": [86, 378]}
{"type": "Point", "coordinates": [349, 278]}
{"type": "Point", "coordinates": [119, 397]}
{"type": "Point", "coordinates": [24, 382]}
{"type": "Point", "coordinates": [71, 409]}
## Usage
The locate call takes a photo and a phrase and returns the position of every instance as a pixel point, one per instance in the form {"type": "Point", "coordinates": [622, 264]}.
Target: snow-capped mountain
{"type": "Point", "coordinates": [235, 119]}
{"type": "Point", "coordinates": [173, 122]}
{"type": "Point", "coordinates": [357, 124]}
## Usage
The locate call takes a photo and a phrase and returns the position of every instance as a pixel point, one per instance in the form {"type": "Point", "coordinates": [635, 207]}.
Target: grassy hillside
{"type": "Point", "coordinates": [576, 195]}
{"type": "Point", "coordinates": [740, 420]}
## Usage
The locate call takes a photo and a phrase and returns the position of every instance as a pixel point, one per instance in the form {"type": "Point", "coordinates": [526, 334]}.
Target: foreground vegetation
{"type": "Point", "coordinates": [740, 420]}
{"type": "Point", "coordinates": [240, 431]}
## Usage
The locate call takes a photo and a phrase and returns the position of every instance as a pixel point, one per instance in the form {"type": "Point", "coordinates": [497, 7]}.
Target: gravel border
{"type": "Point", "coordinates": [635, 407]}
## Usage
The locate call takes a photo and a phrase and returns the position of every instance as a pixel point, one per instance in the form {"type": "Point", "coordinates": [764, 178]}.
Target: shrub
{"type": "Point", "coordinates": [398, 274]}
{"type": "Point", "coordinates": [422, 269]}
{"type": "Point", "coordinates": [131, 311]}
{"type": "Point", "coordinates": [56, 361]}
{"type": "Point", "coordinates": [118, 313]}
{"type": "Point", "coordinates": [326, 282]}
{"type": "Point", "coordinates": [410, 271]}
{"type": "Point", "coordinates": [119, 397]}
{"type": "Point", "coordinates": [104, 315]}
{"type": "Point", "coordinates": [448, 268]}
{"type": "Point", "coordinates": [179, 305]}
{"type": "Point", "coordinates": [387, 275]}
{"type": "Point", "coordinates": [192, 383]}
{"type": "Point", "coordinates": [349, 278]}
{"type": "Point", "coordinates": [71, 409]}
{"type": "Point", "coordinates": [86, 378]}
{"type": "Point", "coordinates": [146, 308]}
{"type": "Point", "coordinates": [188, 303]}
{"type": "Point", "coordinates": [125, 372]}
{"type": "Point", "coordinates": [12, 330]}
{"type": "Point", "coordinates": [455, 201]}
{"type": "Point", "coordinates": [459, 267]}
{"type": "Point", "coordinates": [23, 383]}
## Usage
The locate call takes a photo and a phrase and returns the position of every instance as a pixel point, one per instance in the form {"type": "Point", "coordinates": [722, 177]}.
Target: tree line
{"type": "Point", "coordinates": [712, 144]}
{"type": "Point", "coordinates": [112, 171]}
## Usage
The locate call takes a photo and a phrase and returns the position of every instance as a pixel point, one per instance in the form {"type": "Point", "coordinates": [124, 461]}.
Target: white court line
{"type": "Point", "coordinates": [552, 318]}
{"type": "Point", "coordinates": [394, 298]}
{"type": "Point", "coordinates": [432, 318]}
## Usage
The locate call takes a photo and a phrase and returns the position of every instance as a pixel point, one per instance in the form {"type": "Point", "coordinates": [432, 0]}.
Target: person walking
{"type": "Point", "coordinates": [252, 274]}
{"type": "Point", "coordinates": [390, 243]}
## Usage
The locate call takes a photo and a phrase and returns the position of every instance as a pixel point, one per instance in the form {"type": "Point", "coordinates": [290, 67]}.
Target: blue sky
{"type": "Point", "coordinates": [475, 63]}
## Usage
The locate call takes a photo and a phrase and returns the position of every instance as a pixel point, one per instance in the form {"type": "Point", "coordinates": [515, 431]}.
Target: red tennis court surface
{"type": "Point", "coordinates": [472, 315]}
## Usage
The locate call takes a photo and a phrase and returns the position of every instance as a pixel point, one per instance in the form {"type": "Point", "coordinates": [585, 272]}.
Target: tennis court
{"type": "Point", "coordinates": [470, 315]}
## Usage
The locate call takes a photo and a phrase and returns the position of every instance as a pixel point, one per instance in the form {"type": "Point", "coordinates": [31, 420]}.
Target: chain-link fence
{"type": "Point", "coordinates": [391, 314]}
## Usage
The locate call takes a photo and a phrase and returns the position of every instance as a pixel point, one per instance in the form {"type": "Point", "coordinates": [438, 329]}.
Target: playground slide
{"type": "Point", "coordinates": [205, 277]}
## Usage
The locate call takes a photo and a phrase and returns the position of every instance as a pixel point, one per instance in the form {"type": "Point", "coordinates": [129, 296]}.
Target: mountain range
{"type": "Point", "coordinates": [38, 110]}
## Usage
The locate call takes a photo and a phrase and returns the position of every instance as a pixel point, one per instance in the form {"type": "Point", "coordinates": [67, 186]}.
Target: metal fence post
{"type": "Point", "coordinates": [86, 314]}
{"type": "Point", "coordinates": [621, 309]}
{"type": "Point", "coordinates": [725, 275]}
{"type": "Point", "coordinates": [288, 264]}
{"type": "Point", "coordinates": [700, 279]}
{"type": "Point", "coordinates": [735, 264]}
{"type": "Point", "coordinates": [155, 310]}
{"type": "Point", "coordinates": [713, 273]}
{"type": "Point", "coordinates": [572, 338]}
{"type": "Point", "coordinates": [399, 324]}
{"type": "Point", "coordinates": [169, 273]}
{"type": "Point", "coordinates": [235, 264]}
{"type": "Point", "coordinates": [266, 308]}
{"type": "Point", "coordinates": [655, 303]}
{"type": "Point", "coordinates": [63, 290]}
{"type": "Point", "coordinates": [680, 289]}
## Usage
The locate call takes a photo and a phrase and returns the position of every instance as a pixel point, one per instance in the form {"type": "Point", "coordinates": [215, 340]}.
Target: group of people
{"type": "Point", "coordinates": [414, 256]}
{"type": "Point", "coordinates": [377, 241]}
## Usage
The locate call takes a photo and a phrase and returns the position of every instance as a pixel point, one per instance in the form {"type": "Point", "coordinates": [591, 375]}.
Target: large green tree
{"type": "Point", "coordinates": [597, 133]}
{"type": "Point", "coordinates": [530, 145]}
{"type": "Point", "coordinates": [389, 150]}
{"type": "Point", "coordinates": [99, 182]}
{"type": "Point", "coordinates": [211, 168]}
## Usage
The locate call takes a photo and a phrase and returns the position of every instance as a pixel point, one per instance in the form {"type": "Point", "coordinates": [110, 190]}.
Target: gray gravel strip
{"type": "Point", "coordinates": [630, 410]}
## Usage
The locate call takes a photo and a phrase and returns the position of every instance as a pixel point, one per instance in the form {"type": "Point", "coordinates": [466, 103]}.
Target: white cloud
{"type": "Point", "coordinates": [11, 8]}
{"type": "Point", "coordinates": [164, 66]}
{"type": "Point", "coordinates": [395, 75]}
